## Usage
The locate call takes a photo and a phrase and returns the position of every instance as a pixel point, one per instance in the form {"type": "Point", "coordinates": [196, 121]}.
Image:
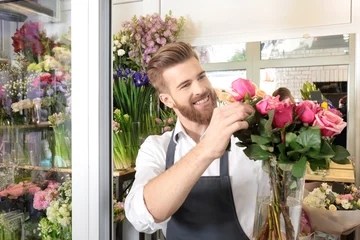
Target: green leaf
{"type": "Point", "coordinates": [310, 138]}
{"type": "Point", "coordinates": [281, 148]}
{"type": "Point", "coordinates": [260, 140]}
{"type": "Point", "coordinates": [316, 164]}
{"type": "Point", "coordinates": [340, 154]}
{"type": "Point", "coordinates": [255, 152]}
{"type": "Point", "coordinates": [275, 138]}
{"type": "Point", "coordinates": [290, 137]}
{"type": "Point", "coordinates": [326, 150]}
{"type": "Point", "coordinates": [262, 128]}
{"type": "Point", "coordinates": [300, 150]}
{"type": "Point", "coordinates": [268, 125]}
{"type": "Point", "coordinates": [345, 161]}
{"type": "Point", "coordinates": [299, 167]}
{"type": "Point", "coordinates": [295, 146]}
{"type": "Point", "coordinates": [240, 144]}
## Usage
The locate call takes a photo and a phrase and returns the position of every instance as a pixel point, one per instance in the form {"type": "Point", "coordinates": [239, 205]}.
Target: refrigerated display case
{"type": "Point", "coordinates": [44, 192]}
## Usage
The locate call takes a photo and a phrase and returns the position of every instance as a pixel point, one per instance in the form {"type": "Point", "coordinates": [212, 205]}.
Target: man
{"type": "Point", "coordinates": [186, 183]}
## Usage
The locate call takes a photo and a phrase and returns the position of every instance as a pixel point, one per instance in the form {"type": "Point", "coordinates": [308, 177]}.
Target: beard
{"type": "Point", "coordinates": [194, 115]}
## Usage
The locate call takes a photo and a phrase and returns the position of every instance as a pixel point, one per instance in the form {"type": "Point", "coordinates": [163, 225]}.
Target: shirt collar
{"type": "Point", "coordinates": [180, 129]}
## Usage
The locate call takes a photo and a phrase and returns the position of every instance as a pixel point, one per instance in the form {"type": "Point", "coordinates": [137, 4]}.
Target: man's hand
{"type": "Point", "coordinates": [224, 122]}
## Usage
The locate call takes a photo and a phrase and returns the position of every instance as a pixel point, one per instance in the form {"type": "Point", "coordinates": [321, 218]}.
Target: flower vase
{"type": "Point", "coordinates": [62, 156]}
{"type": "Point", "coordinates": [126, 147]}
{"type": "Point", "coordinates": [278, 204]}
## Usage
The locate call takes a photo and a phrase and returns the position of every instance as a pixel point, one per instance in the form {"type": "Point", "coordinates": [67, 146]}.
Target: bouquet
{"type": "Point", "coordinates": [32, 42]}
{"type": "Point", "coordinates": [330, 211]}
{"type": "Point", "coordinates": [141, 37]}
{"type": "Point", "coordinates": [285, 136]}
{"type": "Point", "coordinates": [57, 223]}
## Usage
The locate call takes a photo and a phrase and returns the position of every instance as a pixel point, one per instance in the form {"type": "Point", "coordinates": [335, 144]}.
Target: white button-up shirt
{"type": "Point", "coordinates": [151, 162]}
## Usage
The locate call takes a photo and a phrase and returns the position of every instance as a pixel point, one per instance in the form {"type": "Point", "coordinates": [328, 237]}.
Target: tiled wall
{"type": "Point", "coordinates": [294, 77]}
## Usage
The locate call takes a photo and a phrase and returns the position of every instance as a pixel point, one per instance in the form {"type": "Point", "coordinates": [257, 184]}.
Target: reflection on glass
{"type": "Point", "coordinates": [223, 79]}
{"type": "Point", "coordinates": [35, 120]}
{"type": "Point", "coordinates": [331, 80]}
{"type": "Point", "coordinates": [221, 53]}
{"type": "Point", "coordinates": [305, 47]}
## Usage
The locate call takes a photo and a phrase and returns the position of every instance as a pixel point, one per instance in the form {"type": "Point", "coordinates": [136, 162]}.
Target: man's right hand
{"type": "Point", "coordinates": [224, 122]}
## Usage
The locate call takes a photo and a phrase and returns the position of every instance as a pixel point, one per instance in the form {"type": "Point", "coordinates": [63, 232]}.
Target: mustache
{"type": "Point", "coordinates": [202, 96]}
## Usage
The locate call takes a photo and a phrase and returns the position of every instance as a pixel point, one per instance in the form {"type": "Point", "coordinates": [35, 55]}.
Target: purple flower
{"type": "Point", "coordinates": [43, 85]}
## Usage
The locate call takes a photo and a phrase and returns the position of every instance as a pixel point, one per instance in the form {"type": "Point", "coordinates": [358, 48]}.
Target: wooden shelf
{"type": "Point", "coordinates": [29, 126]}
{"type": "Point", "coordinates": [337, 173]}
{"type": "Point", "coordinates": [123, 172]}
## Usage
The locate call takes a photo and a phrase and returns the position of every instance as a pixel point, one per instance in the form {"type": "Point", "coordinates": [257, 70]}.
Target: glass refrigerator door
{"type": "Point", "coordinates": [51, 142]}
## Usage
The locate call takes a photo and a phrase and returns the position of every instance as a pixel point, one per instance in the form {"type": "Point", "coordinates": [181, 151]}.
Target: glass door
{"type": "Point", "coordinates": [51, 142]}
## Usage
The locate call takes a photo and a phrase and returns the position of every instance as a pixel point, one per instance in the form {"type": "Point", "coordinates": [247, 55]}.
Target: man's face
{"type": "Point", "coordinates": [190, 92]}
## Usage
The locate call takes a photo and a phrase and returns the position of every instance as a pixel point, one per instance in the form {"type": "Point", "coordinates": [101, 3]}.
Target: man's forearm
{"type": "Point", "coordinates": [165, 194]}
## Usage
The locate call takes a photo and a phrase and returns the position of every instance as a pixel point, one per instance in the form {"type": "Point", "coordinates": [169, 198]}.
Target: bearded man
{"type": "Point", "coordinates": [186, 183]}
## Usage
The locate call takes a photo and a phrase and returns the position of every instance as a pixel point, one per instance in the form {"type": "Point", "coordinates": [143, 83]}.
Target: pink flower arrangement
{"type": "Point", "coordinates": [14, 191]}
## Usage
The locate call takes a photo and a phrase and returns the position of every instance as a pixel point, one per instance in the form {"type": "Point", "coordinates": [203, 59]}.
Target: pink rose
{"type": "Point", "coordinates": [283, 113]}
{"type": "Point", "coordinates": [306, 111]}
{"type": "Point", "coordinates": [15, 191]}
{"type": "Point", "coordinates": [52, 184]}
{"type": "Point", "coordinates": [266, 104]}
{"type": "Point", "coordinates": [40, 200]}
{"type": "Point", "coordinates": [335, 111]}
{"type": "Point", "coordinates": [329, 123]}
{"type": "Point", "coordinates": [243, 86]}
{"type": "Point", "coordinates": [34, 190]}
{"type": "Point", "coordinates": [347, 197]}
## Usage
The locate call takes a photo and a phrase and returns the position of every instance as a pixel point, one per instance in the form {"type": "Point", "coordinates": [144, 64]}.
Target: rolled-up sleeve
{"type": "Point", "coordinates": [150, 163]}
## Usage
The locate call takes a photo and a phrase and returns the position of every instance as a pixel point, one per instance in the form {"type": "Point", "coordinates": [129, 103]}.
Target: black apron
{"type": "Point", "coordinates": [208, 212]}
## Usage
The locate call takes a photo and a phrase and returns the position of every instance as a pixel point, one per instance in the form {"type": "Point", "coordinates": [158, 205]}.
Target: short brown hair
{"type": "Point", "coordinates": [284, 93]}
{"type": "Point", "coordinates": [168, 56]}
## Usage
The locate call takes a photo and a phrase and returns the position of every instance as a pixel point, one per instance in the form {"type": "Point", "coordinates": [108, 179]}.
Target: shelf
{"type": "Point", "coordinates": [36, 168]}
{"type": "Point", "coordinates": [123, 172]}
{"type": "Point", "coordinates": [65, 170]}
{"type": "Point", "coordinates": [29, 126]}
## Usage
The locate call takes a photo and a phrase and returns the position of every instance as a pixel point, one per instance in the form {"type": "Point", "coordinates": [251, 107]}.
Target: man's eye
{"type": "Point", "coordinates": [202, 77]}
{"type": "Point", "coordinates": [185, 85]}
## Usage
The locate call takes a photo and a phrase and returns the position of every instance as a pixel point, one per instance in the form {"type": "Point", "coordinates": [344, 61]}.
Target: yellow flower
{"type": "Point", "coordinates": [332, 207]}
{"type": "Point", "coordinates": [353, 189]}
{"type": "Point", "coordinates": [325, 105]}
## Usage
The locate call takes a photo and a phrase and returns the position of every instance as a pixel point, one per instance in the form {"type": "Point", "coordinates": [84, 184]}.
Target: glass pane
{"type": "Point", "coordinates": [223, 79]}
{"type": "Point", "coordinates": [305, 47]}
{"type": "Point", "coordinates": [331, 80]}
{"type": "Point", "coordinates": [35, 120]}
{"type": "Point", "coordinates": [221, 53]}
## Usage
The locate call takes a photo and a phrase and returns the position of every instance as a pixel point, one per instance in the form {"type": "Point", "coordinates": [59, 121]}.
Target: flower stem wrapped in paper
{"type": "Point", "coordinates": [285, 136]}
{"type": "Point", "coordinates": [333, 211]}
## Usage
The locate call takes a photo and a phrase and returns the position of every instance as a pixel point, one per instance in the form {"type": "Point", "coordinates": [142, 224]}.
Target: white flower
{"type": "Point", "coordinates": [119, 45]}
{"type": "Point", "coordinates": [124, 39]}
{"type": "Point", "coordinates": [15, 107]}
{"type": "Point", "coordinates": [116, 42]}
{"type": "Point", "coordinates": [121, 52]}
{"type": "Point", "coordinates": [345, 204]}
{"type": "Point", "coordinates": [332, 207]}
{"type": "Point", "coordinates": [114, 49]}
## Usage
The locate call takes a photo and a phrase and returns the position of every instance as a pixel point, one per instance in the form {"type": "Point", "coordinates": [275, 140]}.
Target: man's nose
{"type": "Point", "coordinates": [199, 88]}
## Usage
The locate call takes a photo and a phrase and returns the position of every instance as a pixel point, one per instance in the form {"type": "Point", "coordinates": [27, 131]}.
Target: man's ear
{"type": "Point", "coordinates": [167, 100]}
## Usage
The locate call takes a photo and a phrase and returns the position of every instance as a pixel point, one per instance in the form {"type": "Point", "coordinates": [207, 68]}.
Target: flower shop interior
{"type": "Point", "coordinates": [67, 164]}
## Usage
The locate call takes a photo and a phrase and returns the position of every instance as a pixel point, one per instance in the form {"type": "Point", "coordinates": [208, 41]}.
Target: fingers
{"type": "Point", "coordinates": [236, 107]}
